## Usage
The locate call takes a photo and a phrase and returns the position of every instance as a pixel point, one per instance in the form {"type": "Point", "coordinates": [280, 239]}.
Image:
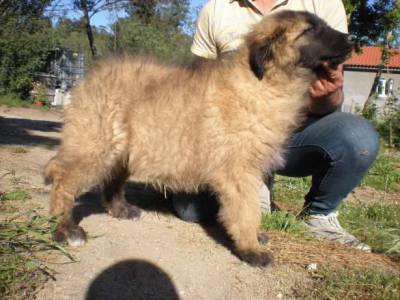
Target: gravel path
{"type": "Point", "coordinates": [156, 257]}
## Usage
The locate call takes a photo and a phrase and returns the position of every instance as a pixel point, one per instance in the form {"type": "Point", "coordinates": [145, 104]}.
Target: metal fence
{"type": "Point", "coordinates": [67, 66]}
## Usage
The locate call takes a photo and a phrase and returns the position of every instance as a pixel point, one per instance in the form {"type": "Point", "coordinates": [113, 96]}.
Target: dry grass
{"type": "Point", "coordinates": [291, 250]}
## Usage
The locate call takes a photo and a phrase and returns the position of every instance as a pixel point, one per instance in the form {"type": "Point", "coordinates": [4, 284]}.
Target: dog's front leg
{"type": "Point", "coordinates": [241, 215]}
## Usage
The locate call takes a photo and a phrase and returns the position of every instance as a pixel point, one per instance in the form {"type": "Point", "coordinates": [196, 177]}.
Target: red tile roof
{"type": "Point", "coordinates": [371, 57]}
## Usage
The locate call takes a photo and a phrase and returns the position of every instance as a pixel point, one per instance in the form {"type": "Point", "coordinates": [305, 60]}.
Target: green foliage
{"type": "Point", "coordinates": [168, 13]}
{"type": "Point", "coordinates": [371, 21]}
{"type": "Point", "coordinates": [135, 37]}
{"type": "Point", "coordinates": [40, 92]}
{"type": "Point", "coordinates": [283, 221]}
{"type": "Point", "coordinates": [15, 195]}
{"type": "Point", "coordinates": [384, 174]}
{"type": "Point", "coordinates": [389, 130]}
{"type": "Point", "coordinates": [387, 122]}
{"type": "Point", "coordinates": [24, 45]}
{"type": "Point", "coordinates": [22, 271]}
{"type": "Point", "coordinates": [369, 112]}
{"type": "Point", "coordinates": [13, 101]}
{"type": "Point", "coordinates": [71, 34]}
{"type": "Point", "coordinates": [82, 4]}
{"type": "Point", "coordinates": [376, 224]}
{"type": "Point", "coordinates": [290, 190]}
{"type": "Point", "coordinates": [154, 27]}
{"type": "Point", "coordinates": [31, 8]}
{"type": "Point", "coordinates": [349, 283]}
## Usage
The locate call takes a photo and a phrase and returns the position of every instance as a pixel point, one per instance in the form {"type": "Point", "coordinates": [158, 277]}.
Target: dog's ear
{"type": "Point", "coordinates": [263, 51]}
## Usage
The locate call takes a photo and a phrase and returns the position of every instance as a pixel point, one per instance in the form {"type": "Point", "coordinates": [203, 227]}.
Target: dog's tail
{"type": "Point", "coordinates": [51, 170]}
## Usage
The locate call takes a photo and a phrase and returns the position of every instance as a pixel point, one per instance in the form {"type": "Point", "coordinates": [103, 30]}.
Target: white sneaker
{"type": "Point", "coordinates": [265, 199]}
{"type": "Point", "coordinates": [328, 227]}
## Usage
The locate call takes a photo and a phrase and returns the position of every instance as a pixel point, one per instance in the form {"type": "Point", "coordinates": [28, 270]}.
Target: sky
{"type": "Point", "coordinates": [105, 18]}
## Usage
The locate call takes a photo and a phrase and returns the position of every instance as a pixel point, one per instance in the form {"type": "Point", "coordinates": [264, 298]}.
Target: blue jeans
{"type": "Point", "coordinates": [336, 150]}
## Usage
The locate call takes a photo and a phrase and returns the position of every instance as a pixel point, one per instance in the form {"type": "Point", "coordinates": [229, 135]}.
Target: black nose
{"type": "Point", "coordinates": [352, 38]}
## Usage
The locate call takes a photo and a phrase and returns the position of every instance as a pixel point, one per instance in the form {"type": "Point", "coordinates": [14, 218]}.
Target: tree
{"type": "Point", "coordinates": [371, 20]}
{"type": "Point", "coordinates": [154, 27]}
{"type": "Point", "coordinates": [375, 22]}
{"type": "Point", "coordinates": [172, 13]}
{"type": "Point", "coordinates": [138, 38]}
{"type": "Point", "coordinates": [89, 8]}
{"type": "Point", "coordinates": [86, 6]}
{"type": "Point", "coordinates": [142, 9]}
{"type": "Point", "coordinates": [24, 44]}
{"type": "Point", "coordinates": [71, 34]}
{"type": "Point", "coordinates": [27, 8]}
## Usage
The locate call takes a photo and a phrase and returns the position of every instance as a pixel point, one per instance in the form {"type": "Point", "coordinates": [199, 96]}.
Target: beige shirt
{"type": "Point", "coordinates": [222, 24]}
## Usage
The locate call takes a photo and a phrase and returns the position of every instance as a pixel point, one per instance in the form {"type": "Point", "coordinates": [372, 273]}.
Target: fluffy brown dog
{"type": "Point", "coordinates": [220, 125]}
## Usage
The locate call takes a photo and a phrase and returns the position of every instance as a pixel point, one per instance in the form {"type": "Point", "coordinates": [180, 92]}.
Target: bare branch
{"type": "Point", "coordinates": [106, 5]}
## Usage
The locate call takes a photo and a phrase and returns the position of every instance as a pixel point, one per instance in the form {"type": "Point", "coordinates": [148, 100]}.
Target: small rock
{"type": "Point", "coordinates": [312, 267]}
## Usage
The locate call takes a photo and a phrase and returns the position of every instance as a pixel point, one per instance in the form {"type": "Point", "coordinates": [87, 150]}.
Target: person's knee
{"type": "Point", "coordinates": [195, 207]}
{"type": "Point", "coordinates": [359, 140]}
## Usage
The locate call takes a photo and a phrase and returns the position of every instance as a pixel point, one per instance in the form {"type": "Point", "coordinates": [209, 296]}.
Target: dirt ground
{"type": "Point", "coordinates": [156, 257]}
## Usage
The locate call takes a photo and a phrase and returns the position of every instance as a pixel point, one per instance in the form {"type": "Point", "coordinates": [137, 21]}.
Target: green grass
{"type": "Point", "coordinates": [14, 101]}
{"type": "Point", "coordinates": [15, 195]}
{"type": "Point", "coordinates": [291, 190]}
{"type": "Point", "coordinates": [45, 108]}
{"type": "Point", "coordinates": [348, 283]}
{"type": "Point", "coordinates": [384, 174]}
{"type": "Point", "coordinates": [285, 222]}
{"type": "Point", "coordinates": [376, 224]}
{"type": "Point", "coordinates": [22, 271]}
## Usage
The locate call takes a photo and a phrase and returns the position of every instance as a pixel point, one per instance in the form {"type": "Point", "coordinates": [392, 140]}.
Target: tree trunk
{"type": "Point", "coordinates": [370, 100]}
{"type": "Point", "coordinates": [385, 56]}
{"type": "Point", "coordinates": [88, 28]}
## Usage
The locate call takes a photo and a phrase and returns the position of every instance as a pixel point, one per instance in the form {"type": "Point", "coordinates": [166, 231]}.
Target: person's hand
{"type": "Point", "coordinates": [326, 92]}
{"type": "Point", "coordinates": [329, 81]}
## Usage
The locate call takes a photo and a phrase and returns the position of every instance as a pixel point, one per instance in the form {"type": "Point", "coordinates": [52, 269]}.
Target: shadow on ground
{"type": "Point", "coordinates": [137, 194]}
{"type": "Point", "coordinates": [132, 279]}
{"type": "Point", "coordinates": [15, 131]}
{"type": "Point", "coordinates": [148, 200]}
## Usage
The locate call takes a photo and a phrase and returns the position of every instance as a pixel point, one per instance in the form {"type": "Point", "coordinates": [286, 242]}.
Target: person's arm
{"type": "Point", "coordinates": [204, 44]}
{"type": "Point", "coordinates": [326, 93]}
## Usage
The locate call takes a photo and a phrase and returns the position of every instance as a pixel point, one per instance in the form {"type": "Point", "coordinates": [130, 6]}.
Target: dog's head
{"type": "Point", "coordinates": [296, 39]}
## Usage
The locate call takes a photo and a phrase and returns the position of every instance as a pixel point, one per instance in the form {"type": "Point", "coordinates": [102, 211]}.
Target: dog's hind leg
{"type": "Point", "coordinates": [241, 215]}
{"type": "Point", "coordinates": [70, 177]}
{"type": "Point", "coordinates": [114, 198]}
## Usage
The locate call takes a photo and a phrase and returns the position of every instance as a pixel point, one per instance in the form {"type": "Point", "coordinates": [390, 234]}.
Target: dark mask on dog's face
{"type": "Point", "coordinates": [290, 39]}
{"type": "Point", "coordinates": [320, 43]}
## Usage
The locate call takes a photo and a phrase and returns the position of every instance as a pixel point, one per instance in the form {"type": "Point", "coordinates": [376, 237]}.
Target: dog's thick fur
{"type": "Point", "coordinates": [219, 125]}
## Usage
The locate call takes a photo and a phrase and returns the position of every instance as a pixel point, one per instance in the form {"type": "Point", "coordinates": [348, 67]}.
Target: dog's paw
{"type": "Point", "coordinates": [125, 211]}
{"type": "Point", "coordinates": [75, 236]}
{"type": "Point", "coordinates": [256, 258]}
{"type": "Point", "coordinates": [262, 238]}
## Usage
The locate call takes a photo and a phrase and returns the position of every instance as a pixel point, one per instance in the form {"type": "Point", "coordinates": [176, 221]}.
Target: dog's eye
{"type": "Point", "coordinates": [310, 29]}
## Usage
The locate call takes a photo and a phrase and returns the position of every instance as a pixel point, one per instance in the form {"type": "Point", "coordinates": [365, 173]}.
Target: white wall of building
{"type": "Point", "coordinates": [357, 85]}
